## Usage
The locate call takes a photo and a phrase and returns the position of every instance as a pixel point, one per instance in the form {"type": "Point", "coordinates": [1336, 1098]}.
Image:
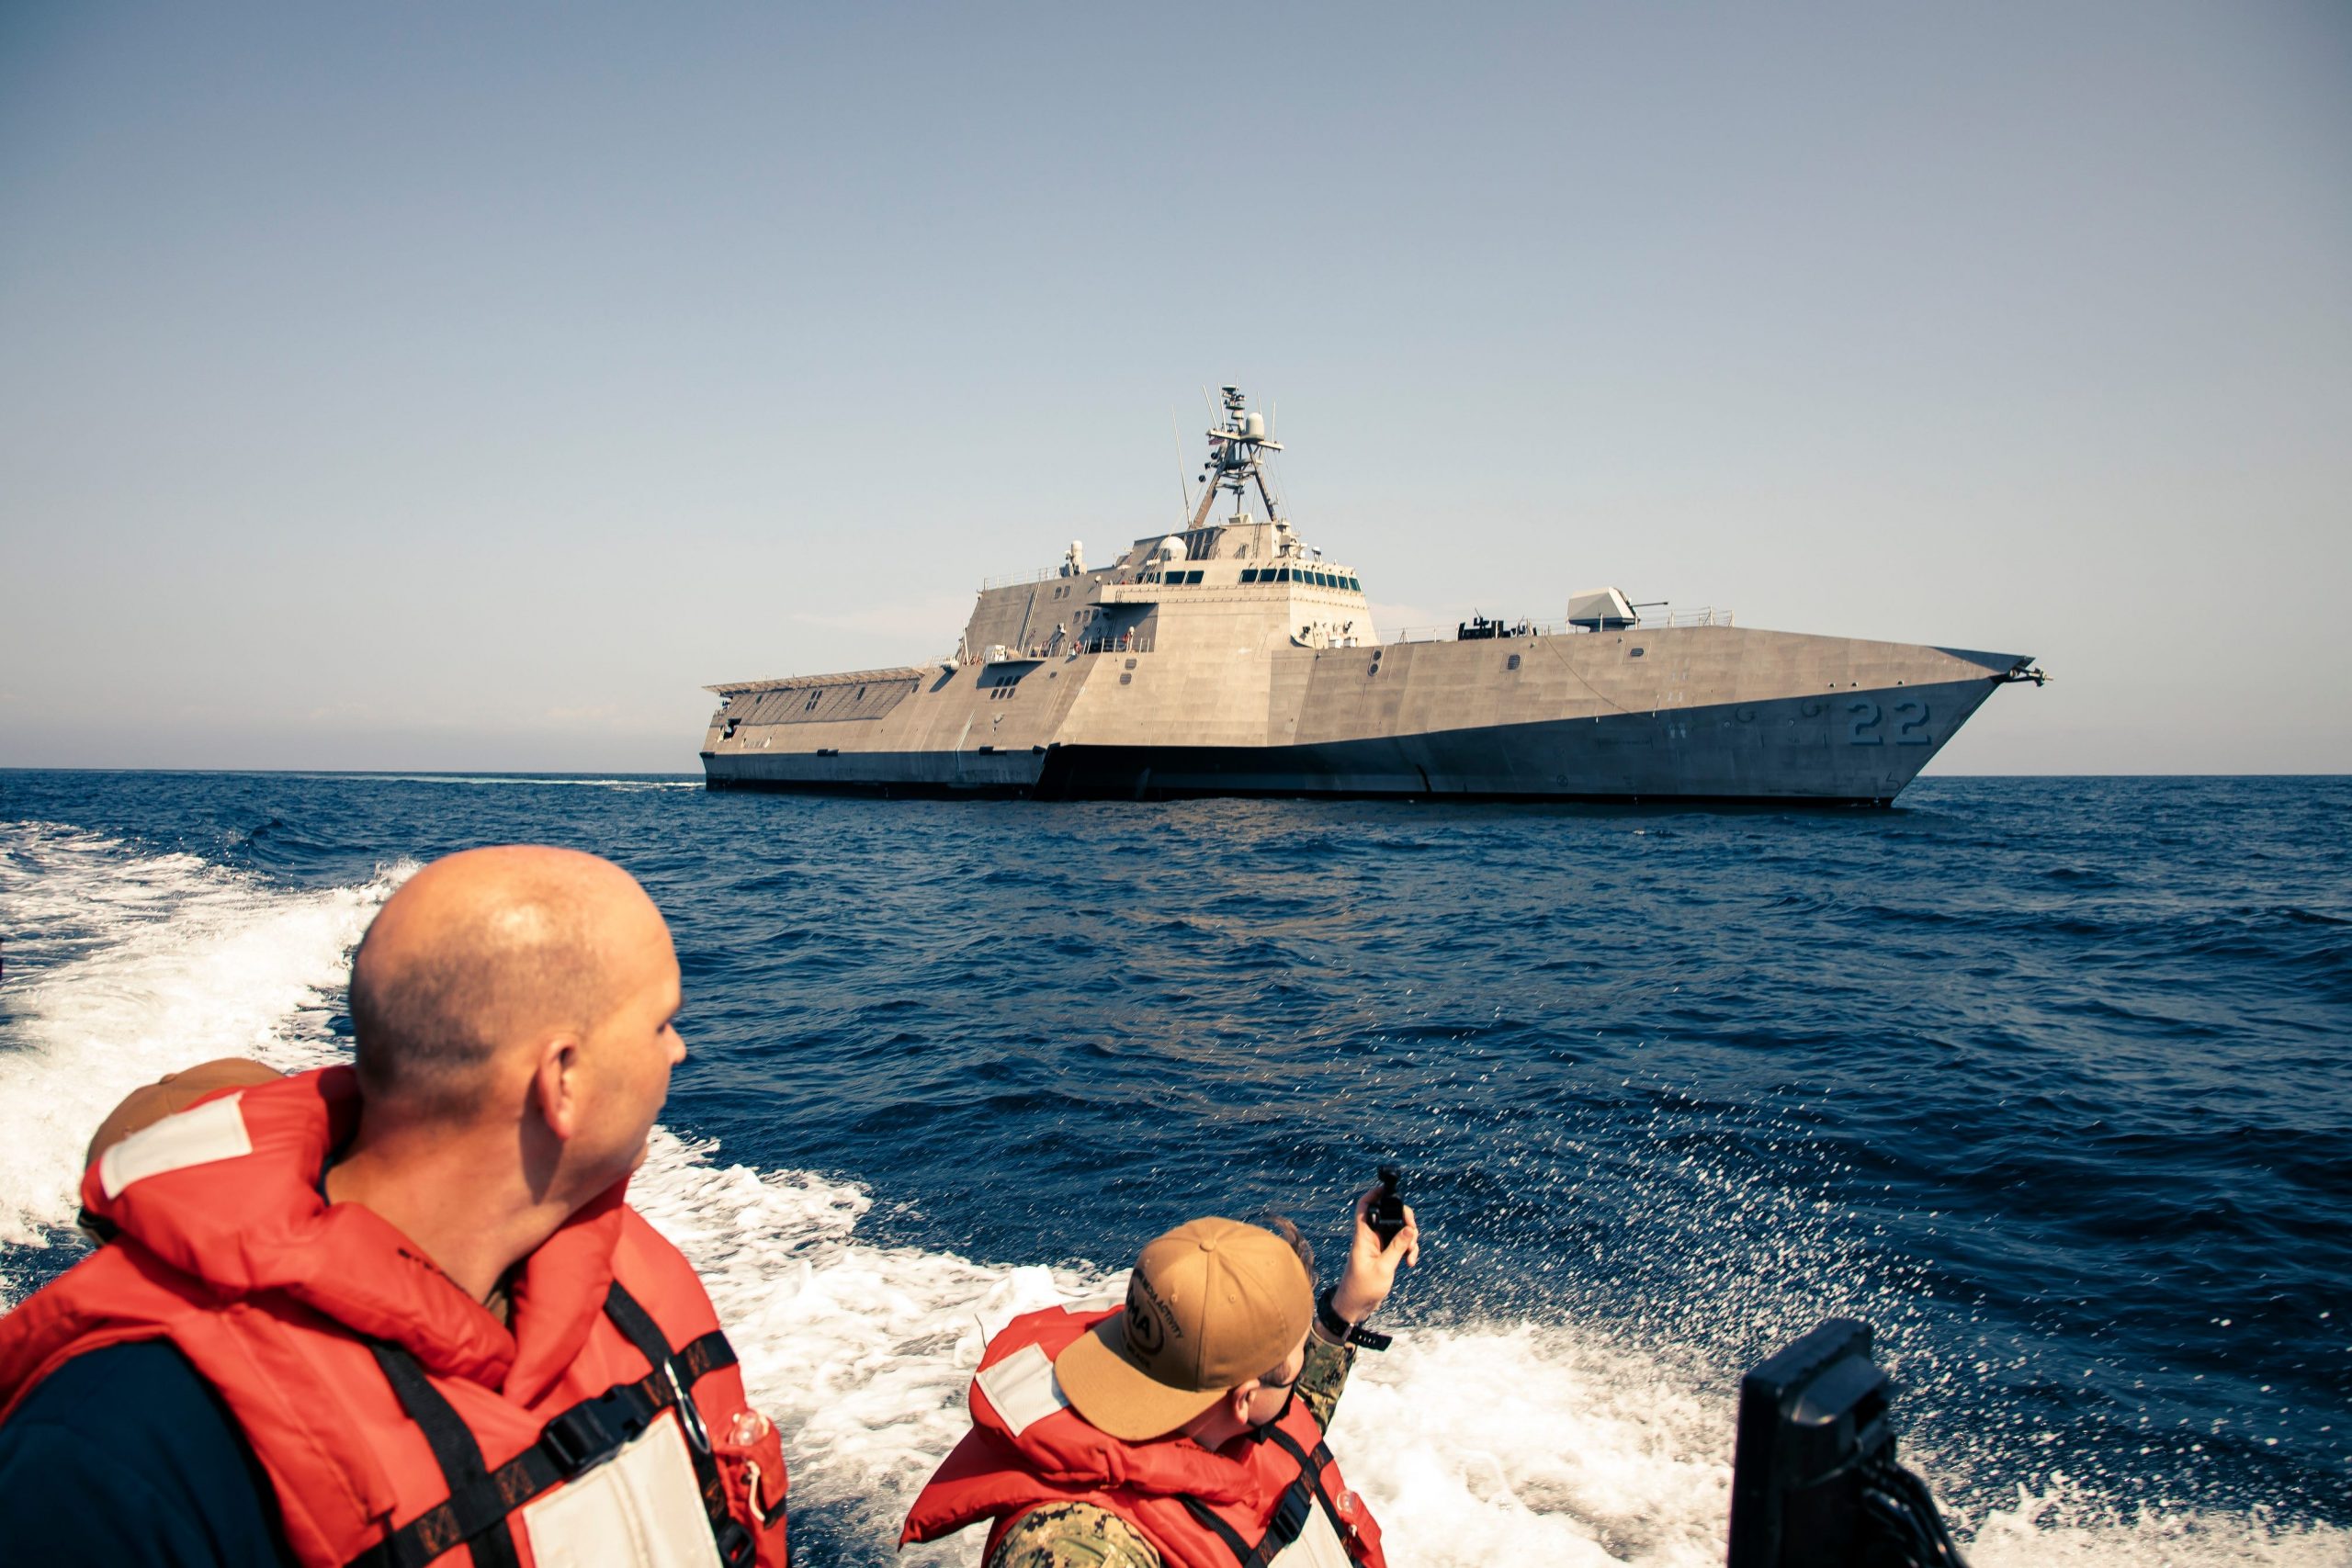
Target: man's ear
{"type": "Point", "coordinates": [556, 1085]}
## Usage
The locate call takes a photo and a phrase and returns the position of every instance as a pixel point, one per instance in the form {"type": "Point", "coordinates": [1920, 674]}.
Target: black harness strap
{"type": "Point", "coordinates": [453, 1445]}
{"type": "Point", "coordinates": [1207, 1516]}
{"type": "Point", "coordinates": [1292, 1511]}
{"type": "Point", "coordinates": [573, 1442]}
{"type": "Point", "coordinates": [736, 1546]}
{"type": "Point", "coordinates": [1311, 1466]}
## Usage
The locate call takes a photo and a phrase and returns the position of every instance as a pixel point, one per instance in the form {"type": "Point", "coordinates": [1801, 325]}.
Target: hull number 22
{"type": "Point", "coordinates": [1910, 723]}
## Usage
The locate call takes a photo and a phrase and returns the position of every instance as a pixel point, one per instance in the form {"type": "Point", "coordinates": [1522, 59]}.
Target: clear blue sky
{"type": "Point", "coordinates": [436, 387]}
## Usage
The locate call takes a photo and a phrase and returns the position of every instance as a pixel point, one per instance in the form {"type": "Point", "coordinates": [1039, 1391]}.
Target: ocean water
{"type": "Point", "coordinates": [2045, 1078]}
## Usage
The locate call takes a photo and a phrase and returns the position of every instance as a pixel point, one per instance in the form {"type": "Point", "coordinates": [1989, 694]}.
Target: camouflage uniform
{"type": "Point", "coordinates": [1080, 1535]}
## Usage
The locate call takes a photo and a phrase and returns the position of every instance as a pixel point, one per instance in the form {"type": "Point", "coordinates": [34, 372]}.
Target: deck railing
{"type": "Point", "coordinates": [1707, 617]}
{"type": "Point", "coordinates": [1060, 648]}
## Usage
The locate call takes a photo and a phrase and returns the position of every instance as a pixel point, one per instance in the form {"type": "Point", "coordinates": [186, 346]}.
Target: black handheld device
{"type": "Point", "coordinates": [1386, 1215]}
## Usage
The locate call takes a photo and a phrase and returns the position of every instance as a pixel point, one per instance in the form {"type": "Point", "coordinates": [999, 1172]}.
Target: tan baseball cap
{"type": "Point", "coordinates": [1211, 1305]}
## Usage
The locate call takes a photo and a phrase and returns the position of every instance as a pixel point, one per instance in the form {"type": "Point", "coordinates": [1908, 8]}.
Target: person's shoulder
{"type": "Point", "coordinates": [139, 1402]}
{"type": "Point", "coordinates": [645, 1251]}
{"type": "Point", "coordinates": [125, 1454]}
{"type": "Point", "coordinates": [113, 1386]}
{"type": "Point", "coordinates": [1072, 1535]}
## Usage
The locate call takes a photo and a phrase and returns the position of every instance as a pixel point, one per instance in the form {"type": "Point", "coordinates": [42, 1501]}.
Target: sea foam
{"type": "Point", "coordinates": [123, 967]}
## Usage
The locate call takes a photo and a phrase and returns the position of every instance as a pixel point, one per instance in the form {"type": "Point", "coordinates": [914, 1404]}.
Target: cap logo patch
{"type": "Point", "coordinates": [1148, 1320]}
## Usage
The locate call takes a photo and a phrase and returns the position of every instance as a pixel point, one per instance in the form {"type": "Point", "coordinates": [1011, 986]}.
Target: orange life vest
{"type": "Point", "coordinates": [1275, 1495]}
{"type": "Point", "coordinates": [400, 1424]}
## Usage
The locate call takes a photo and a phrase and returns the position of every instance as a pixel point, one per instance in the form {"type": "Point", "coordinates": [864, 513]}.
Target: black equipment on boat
{"type": "Point", "coordinates": [1814, 1481]}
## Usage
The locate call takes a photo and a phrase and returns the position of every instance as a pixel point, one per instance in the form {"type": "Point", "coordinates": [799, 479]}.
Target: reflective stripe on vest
{"type": "Point", "coordinates": [577, 1441]}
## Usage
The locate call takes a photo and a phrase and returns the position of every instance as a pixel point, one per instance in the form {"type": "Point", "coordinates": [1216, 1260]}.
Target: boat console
{"type": "Point", "coordinates": [1814, 1482]}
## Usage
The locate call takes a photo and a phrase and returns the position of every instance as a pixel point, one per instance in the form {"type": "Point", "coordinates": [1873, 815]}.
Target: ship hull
{"type": "Point", "coordinates": [1842, 741]}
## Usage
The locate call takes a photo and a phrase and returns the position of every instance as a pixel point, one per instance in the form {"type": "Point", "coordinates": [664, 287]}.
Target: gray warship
{"type": "Point", "coordinates": [1231, 657]}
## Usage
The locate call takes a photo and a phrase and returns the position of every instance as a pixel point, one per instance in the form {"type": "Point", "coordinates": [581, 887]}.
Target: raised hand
{"type": "Point", "coordinates": [1371, 1272]}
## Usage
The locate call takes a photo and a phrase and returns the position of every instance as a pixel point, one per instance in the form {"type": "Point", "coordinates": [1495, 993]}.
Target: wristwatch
{"type": "Point", "coordinates": [1340, 1331]}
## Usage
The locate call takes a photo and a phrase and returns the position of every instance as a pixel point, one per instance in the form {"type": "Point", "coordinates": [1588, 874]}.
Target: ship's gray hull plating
{"type": "Point", "coordinates": [1853, 747]}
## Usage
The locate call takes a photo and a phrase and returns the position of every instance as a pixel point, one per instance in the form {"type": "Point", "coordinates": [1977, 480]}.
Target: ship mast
{"type": "Point", "coordinates": [1236, 460]}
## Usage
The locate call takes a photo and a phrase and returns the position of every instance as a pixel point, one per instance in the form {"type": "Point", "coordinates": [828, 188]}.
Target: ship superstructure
{"type": "Point", "coordinates": [1229, 657]}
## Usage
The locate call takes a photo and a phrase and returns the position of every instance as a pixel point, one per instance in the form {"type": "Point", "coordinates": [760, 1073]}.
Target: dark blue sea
{"type": "Point", "coordinates": [2046, 1079]}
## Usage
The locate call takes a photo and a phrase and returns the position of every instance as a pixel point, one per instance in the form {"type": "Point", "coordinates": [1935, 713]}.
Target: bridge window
{"type": "Point", "coordinates": [1248, 574]}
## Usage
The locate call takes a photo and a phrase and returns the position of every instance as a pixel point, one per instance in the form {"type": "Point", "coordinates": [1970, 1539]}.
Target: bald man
{"type": "Point", "coordinates": [400, 1313]}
